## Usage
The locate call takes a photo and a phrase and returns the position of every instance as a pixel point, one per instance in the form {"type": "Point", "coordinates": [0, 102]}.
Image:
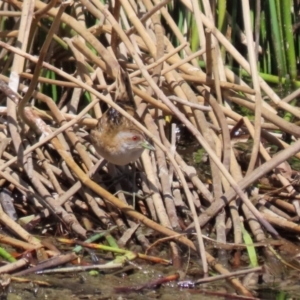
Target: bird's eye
{"type": "Point", "coordinates": [136, 138]}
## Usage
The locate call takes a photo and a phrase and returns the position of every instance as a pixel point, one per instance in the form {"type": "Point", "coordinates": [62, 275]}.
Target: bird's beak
{"type": "Point", "coordinates": [148, 146]}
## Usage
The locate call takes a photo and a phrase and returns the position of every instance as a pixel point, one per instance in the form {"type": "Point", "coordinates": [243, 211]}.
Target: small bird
{"type": "Point", "coordinates": [116, 138]}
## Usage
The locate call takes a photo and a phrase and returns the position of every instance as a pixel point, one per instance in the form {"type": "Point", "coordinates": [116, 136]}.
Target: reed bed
{"type": "Point", "coordinates": [59, 64]}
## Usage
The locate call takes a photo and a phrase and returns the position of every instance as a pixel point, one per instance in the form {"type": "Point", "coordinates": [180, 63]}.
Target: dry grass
{"type": "Point", "coordinates": [44, 157]}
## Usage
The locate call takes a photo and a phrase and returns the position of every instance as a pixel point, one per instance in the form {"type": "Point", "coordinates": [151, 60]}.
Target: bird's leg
{"type": "Point", "coordinates": [116, 175]}
{"type": "Point", "coordinates": [133, 183]}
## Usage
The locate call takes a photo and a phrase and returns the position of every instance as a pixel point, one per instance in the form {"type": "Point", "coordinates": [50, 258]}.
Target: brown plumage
{"type": "Point", "coordinates": [116, 138]}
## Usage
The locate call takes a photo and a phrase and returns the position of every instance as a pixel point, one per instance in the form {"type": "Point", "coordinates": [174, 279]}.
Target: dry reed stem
{"type": "Point", "coordinates": [255, 80]}
{"type": "Point", "coordinates": [169, 74]}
